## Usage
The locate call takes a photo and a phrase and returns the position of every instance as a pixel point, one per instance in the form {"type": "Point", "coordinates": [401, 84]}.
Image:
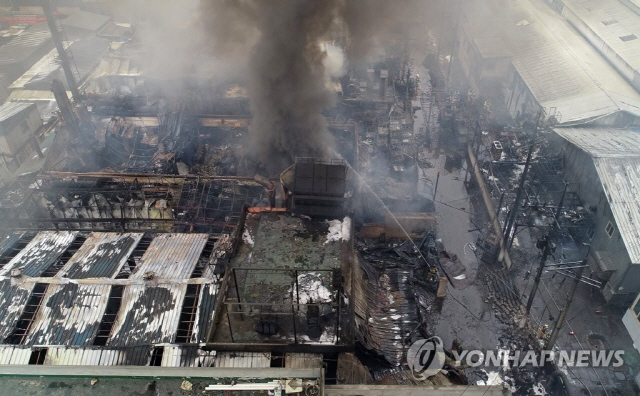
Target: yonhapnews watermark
{"type": "Point", "coordinates": [426, 357]}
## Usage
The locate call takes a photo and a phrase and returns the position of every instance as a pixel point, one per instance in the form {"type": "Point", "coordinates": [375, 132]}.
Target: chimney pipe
{"type": "Point", "coordinates": [269, 188]}
{"type": "Point", "coordinates": [56, 35]}
{"type": "Point", "coordinates": [68, 116]}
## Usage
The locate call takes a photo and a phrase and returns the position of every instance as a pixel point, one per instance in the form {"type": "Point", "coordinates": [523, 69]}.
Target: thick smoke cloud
{"type": "Point", "coordinates": [289, 67]}
{"type": "Point", "coordinates": [276, 48]}
{"type": "Point", "coordinates": [287, 84]}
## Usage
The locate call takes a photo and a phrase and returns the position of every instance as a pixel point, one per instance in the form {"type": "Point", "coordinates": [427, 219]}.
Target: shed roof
{"type": "Point", "coordinates": [40, 253]}
{"type": "Point", "coordinates": [149, 315]}
{"type": "Point", "coordinates": [69, 315]}
{"type": "Point", "coordinates": [561, 69]}
{"type": "Point", "coordinates": [613, 23]}
{"type": "Point", "coordinates": [73, 305]}
{"type": "Point", "coordinates": [26, 44]}
{"type": "Point", "coordinates": [101, 255]}
{"type": "Point", "coordinates": [87, 54]}
{"type": "Point", "coordinates": [603, 142]}
{"type": "Point", "coordinates": [172, 256]}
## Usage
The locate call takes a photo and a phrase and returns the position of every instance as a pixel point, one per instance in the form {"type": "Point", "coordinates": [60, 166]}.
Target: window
{"type": "Point", "coordinates": [628, 37]}
{"type": "Point", "coordinates": [609, 229]}
{"type": "Point", "coordinates": [609, 22]}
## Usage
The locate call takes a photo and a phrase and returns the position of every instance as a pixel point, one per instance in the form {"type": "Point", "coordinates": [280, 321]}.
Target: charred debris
{"type": "Point", "coordinates": [305, 259]}
{"type": "Point", "coordinates": [329, 257]}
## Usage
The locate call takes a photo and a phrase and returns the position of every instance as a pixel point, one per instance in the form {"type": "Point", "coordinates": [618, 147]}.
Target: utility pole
{"type": "Point", "coordinates": [563, 313]}
{"type": "Point", "coordinates": [514, 210]}
{"type": "Point", "coordinates": [543, 260]}
{"type": "Point", "coordinates": [64, 57]}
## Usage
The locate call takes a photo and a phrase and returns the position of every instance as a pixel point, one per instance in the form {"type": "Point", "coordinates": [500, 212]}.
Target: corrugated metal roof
{"type": "Point", "coordinates": [21, 47]}
{"type": "Point", "coordinates": [603, 142]}
{"type": "Point", "coordinates": [96, 356]}
{"type": "Point", "coordinates": [561, 69]}
{"type": "Point", "coordinates": [149, 315]}
{"type": "Point", "coordinates": [87, 54]}
{"type": "Point", "coordinates": [69, 315]}
{"type": "Point", "coordinates": [620, 178]}
{"type": "Point", "coordinates": [187, 356]}
{"type": "Point", "coordinates": [243, 359]}
{"type": "Point", "coordinates": [45, 66]}
{"type": "Point", "coordinates": [172, 256]}
{"type": "Point", "coordinates": [14, 354]}
{"type": "Point", "coordinates": [10, 110]}
{"type": "Point", "coordinates": [101, 255]}
{"type": "Point", "coordinates": [13, 298]}
{"type": "Point", "coordinates": [40, 253]}
{"type": "Point", "coordinates": [133, 356]}
{"type": "Point", "coordinates": [72, 357]}
{"type": "Point", "coordinates": [9, 240]}
{"type": "Point", "coordinates": [204, 313]}
{"type": "Point", "coordinates": [611, 20]}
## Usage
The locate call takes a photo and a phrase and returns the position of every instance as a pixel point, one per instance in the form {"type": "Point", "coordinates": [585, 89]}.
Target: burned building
{"type": "Point", "coordinates": [108, 295]}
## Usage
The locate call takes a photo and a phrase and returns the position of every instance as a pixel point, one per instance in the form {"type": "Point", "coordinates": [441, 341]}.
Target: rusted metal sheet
{"type": "Point", "coordinates": [101, 255]}
{"type": "Point", "coordinates": [172, 256]}
{"type": "Point", "coordinates": [243, 359]}
{"type": "Point", "coordinates": [70, 315]}
{"type": "Point", "coordinates": [149, 315]}
{"type": "Point", "coordinates": [12, 301]}
{"type": "Point", "coordinates": [40, 253]}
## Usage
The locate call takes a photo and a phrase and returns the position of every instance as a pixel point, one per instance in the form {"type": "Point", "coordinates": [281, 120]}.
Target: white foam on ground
{"type": "Point", "coordinates": [339, 230]}
{"type": "Point", "coordinates": [494, 379]}
{"type": "Point", "coordinates": [247, 237]}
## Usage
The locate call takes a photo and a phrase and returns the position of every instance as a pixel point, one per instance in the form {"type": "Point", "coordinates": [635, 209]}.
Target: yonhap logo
{"type": "Point", "coordinates": [426, 357]}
